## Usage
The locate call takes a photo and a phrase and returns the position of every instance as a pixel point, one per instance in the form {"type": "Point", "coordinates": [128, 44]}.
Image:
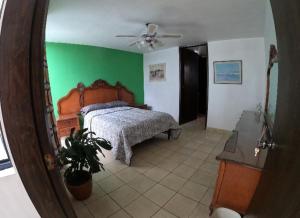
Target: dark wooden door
{"type": "Point", "coordinates": [23, 92]}
{"type": "Point", "coordinates": [189, 81]}
{"type": "Point", "coordinates": [202, 89]}
{"type": "Point", "coordinates": [278, 194]}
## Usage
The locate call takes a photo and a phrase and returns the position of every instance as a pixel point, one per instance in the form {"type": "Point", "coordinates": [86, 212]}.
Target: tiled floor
{"type": "Point", "coordinates": [173, 178]}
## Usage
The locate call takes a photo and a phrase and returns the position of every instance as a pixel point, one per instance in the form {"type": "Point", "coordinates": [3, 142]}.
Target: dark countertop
{"type": "Point", "coordinates": [240, 148]}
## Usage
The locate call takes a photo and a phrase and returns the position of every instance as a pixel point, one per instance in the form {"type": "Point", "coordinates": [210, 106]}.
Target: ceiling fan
{"type": "Point", "coordinates": [150, 39]}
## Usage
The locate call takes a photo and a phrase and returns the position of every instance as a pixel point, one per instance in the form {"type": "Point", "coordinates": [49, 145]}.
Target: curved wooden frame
{"type": "Point", "coordinates": [99, 92]}
{"type": "Point", "coordinates": [23, 101]}
{"type": "Point", "coordinates": [21, 55]}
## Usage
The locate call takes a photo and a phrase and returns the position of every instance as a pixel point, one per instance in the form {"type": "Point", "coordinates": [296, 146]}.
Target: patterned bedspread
{"type": "Point", "coordinates": [127, 126]}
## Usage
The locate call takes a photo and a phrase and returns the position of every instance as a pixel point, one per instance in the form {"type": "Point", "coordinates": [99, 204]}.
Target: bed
{"type": "Point", "coordinates": [118, 120]}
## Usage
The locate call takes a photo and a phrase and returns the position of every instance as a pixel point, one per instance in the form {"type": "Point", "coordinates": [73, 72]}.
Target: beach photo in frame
{"type": "Point", "coordinates": [157, 72]}
{"type": "Point", "coordinates": [228, 72]}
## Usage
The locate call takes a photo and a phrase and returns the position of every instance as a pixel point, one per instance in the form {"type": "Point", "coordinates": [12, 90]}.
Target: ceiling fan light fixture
{"type": "Point", "coordinates": [151, 38]}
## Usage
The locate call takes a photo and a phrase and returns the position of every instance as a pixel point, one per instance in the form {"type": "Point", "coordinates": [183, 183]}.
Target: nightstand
{"type": "Point", "coordinates": [65, 123]}
{"type": "Point", "coordinates": [142, 106]}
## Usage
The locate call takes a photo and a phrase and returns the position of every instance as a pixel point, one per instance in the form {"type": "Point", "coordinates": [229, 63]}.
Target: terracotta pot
{"type": "Point", "coordinates": [83, 191]}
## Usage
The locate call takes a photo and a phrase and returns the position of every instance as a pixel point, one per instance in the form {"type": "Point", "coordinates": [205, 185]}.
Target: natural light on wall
{"type": "Point", "coordinates": [3, 154]}
{"type": "Point", "coordinates": [4, 158]}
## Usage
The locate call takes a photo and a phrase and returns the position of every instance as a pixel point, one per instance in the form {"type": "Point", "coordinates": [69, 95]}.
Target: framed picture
{"type": "Point", "coordinates": [228, 72]}
{"type": "Point", "coordinates": [157, 72]}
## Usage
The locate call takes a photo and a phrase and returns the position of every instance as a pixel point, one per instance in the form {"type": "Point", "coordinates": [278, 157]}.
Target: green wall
{"type": "Point", "coordinates": [70, 64]}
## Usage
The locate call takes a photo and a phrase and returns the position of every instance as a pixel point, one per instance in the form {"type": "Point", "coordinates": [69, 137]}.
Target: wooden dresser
{"type": "Point", "coordinates": [65, 123]}
{"type": "Point", "coordinates": [240, 170]}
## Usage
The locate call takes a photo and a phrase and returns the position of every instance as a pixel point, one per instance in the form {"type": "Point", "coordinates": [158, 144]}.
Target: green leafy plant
{"type": "Point", "coordinates": [80, 155]}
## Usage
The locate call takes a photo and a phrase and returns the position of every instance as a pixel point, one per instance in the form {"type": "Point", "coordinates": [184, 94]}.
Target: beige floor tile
{"type": "Point", "coordinates": [115, 166]}
{"type": "Point", "coordinates": [142, 208]}
{"type": "Point", "coordinates": [83, 212]}
{"type": "Point", "coordinates": [212, 141]}
{"type": "Point", "coordinates": [108, 157]}
{"type": "Point", "coordinates": [163, 214]}
{"type": "Point", "coordinates": [210, 167]}
{"type": "Point", "coordinates": [212, 159]}
{"type": "Point", "coordinates": [144, 155]}
{"type": "Point", "coordinates": [120, 214]}
{"type": "Point", "coordinates": [141, 166]}
{"type": "Point", "coordinates": [97, 193]}
{"type": "Point", "coordinates": [141, 183]}
{"type": "Point", "coordinates": [193, 190]}
{"type": "Point", "coordinates": [168, 164]}
{"type": "Point", "coordinates": [184, 171]}
{"type": "Point", "coordinates": [178, 157]}
{"type": "Point", "coordinates": [191, 145]}
{"type": "Point", "coordinates": [75, 203]}
{"type": "Point", "coordinates": [127, 174]}
{"type": "Point", "coordinates": [159, 194]}
{"type": "Point", "coordinates": [180, 206]}
{"type": "Point", "coordinates": [101, 175]}
{"type": "Point", "coordinates": [124, 195]}
{"type": "Point", "coordinates": [187, 151]}
{"type": "Point", "coordinates": [207, 148]}
{"type": "Point", "coordinates": [191, 156]}
{"type": "Point", "coordinates": [154, 159]}
{"type": "Point", "coordinates": [204, 178]}
{"type": "Point", "coordinates": [193, 162]}
{"type": "Point", "coordinates": [110, 184]}
{"type": "Point", "coordinates": [207, 199]}
{"type": "Point", "coordinates": [200, 155]}
{"type": "Point", "coordinates": [173, 182]}
{"type": "Point", "coordinates": [156, 174]}
{"type": "Point", "coordinates": [218, 149]}
{"type": "Point", "coordinates": [176, 145]}
{"type": "Point", "coordinates": [165, 152]}
{"type": "Point", "coordinates": [103, 207]}
{"type": "Point", "coordinates": [201, 211]}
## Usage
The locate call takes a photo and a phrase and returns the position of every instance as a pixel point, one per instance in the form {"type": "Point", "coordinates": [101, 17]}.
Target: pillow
{"type": "Point", "coordinates": [92, 107]}
{"type": "Point", "coordinates": [117, 104]}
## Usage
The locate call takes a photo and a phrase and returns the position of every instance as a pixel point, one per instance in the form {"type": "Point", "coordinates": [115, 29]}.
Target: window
{"type": "Point", "coordinates": [4, 158]}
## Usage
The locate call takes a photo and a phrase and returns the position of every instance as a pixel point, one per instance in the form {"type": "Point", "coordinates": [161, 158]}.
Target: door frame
{"type": "Point", "coordinates": [23, 114]}
{"type": "Point", "coordinates": [22, 97]}
{"type": "Point", "coordinates": [180, 81]}
{"type": "Point", "coordinates": [277, 194]}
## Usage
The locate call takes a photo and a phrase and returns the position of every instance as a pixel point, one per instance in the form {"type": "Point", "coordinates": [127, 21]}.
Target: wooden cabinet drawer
{"type": "Point", "coordinates": [235, 186]}
{"type": "Point", "coordinates": [66, 123]}
{"type": "Point", "coordinates": [65, 131]}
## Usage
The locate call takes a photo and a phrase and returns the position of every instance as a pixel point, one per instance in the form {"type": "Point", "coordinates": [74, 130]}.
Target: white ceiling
{"type": "Point", "coordinates": [96, 22]}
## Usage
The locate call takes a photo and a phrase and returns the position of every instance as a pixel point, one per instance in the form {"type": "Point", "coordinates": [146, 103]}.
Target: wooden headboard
{"type": "Point", "coordinates": [99, 92]}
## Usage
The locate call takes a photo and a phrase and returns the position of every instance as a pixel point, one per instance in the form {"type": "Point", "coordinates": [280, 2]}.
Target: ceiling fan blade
{"type": "Point", "coordinates": [175, 36]}
{"type": "Point", "coordinates": [159, 43]}
{"type": "Point", "coordinates": [134, 43]}
{"type": "Point", "coordinates": [127, 36]}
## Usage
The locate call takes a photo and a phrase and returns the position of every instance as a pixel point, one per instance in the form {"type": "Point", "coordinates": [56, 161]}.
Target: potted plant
{"type": "Point", "coordinates": [80, 157]}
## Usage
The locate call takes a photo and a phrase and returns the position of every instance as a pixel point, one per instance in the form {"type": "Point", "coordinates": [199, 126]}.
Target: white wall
{"type": "Point", "coordinates": [14, 201]}
{"type": "Point", "coordinates": [226, 102]}
{"type": "Point", "coordinates": [270, 38]}
{"type": "Point", "coordinates": [163, 95]}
